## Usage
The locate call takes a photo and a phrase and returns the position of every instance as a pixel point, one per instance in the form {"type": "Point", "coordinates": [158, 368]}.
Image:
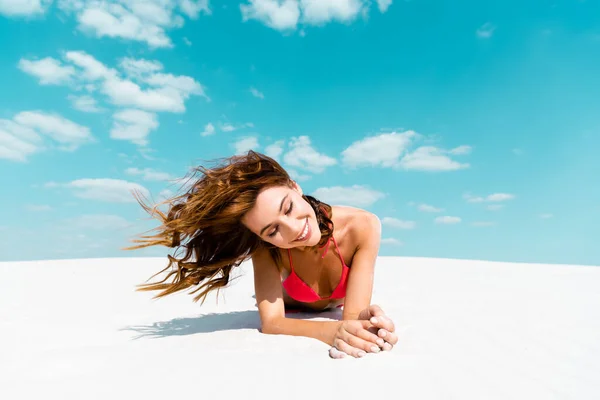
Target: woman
{"type": "Point", "coordinates": [305, 253]}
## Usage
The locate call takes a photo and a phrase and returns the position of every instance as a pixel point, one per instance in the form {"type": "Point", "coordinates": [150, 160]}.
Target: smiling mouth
{"type": "Point", "coordinates": [305, 234]}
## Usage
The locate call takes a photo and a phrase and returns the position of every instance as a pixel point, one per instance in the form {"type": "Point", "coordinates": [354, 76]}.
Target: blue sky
{"type": "Point", "coordinates": [470, 129]}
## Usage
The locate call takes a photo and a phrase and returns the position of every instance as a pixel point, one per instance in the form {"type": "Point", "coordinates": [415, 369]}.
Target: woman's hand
{"type": "Point", "coordinates": [354, 338]}
{"type": "Point", "coordinates": [382, 324]}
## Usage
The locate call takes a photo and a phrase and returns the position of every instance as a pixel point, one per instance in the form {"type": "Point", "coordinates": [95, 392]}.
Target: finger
{"type": "Point", "coordinates": [387, 346]}
{"type": "Point", "coordinates": [370, 334]}
{"type": "Point", "coordinates": [362, 344]}
{"type": "Point", "coordinates": [375, 310]}
{"type": "Point", "coordinates": [335, 353]}
{"type": "Point", "coordinates": [383, 322]}
{"type": "Point", "coordinates": [343, 346]}
{"type": "Point", "coordinates": [389, 337]}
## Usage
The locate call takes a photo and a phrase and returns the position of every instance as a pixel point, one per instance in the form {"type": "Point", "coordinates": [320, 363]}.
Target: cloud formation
{"type": "Point", "coordinates": [393, 150]}
{"type": "Point", "coordinates": [286, 15]}
{"type": "Point", "coordinates": [356, 195]}
{"type": "Point", "coordinates": [31, 132]}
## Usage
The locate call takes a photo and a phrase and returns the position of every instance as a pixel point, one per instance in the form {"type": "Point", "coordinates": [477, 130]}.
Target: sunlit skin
{"type": "Point", "coordinates": [279, 217]}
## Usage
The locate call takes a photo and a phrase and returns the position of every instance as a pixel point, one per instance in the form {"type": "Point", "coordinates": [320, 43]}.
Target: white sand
{"type": "Point", "coordinates": [468, 330]}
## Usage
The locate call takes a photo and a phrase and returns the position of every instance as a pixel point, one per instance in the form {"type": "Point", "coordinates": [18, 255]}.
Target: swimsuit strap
{"type": "Point", "coordinates": [290, 257]}
{"type": "Point", "coordinates": [326, 245]}
{"type": "Point", "coordinates": [338, 250]}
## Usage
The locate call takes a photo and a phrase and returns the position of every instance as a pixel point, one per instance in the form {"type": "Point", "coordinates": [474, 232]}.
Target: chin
{"type": "Point", "coordinates": [315, 235]}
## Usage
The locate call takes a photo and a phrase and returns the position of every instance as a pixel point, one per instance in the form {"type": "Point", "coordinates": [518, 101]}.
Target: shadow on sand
{"type": "Point", "coordinates": [215, 322]}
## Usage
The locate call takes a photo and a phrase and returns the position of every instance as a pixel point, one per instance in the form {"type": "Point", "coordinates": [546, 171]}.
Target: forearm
{"type": "Point", "coordinates": [321, 330]}
{"type": "Point", "coordinates": [351, 314]}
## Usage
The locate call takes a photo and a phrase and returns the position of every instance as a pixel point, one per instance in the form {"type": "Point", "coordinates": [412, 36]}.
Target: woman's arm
{"type": "Point", "coordinates": [269, 298]}
{"type": "Point", "coordinates": [367, 232]}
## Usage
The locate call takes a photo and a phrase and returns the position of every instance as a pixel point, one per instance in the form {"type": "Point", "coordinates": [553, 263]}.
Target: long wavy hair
{"type": "Point", "coordinates": [204, 223]}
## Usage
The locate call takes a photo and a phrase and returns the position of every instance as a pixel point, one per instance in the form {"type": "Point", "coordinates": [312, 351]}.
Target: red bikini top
{"type": "Point", "coordinates": [300, 291]}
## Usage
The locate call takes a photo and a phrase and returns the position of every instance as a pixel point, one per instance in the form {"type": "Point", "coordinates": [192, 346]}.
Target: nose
{"type": "Point", "coordinates": [290, 229]}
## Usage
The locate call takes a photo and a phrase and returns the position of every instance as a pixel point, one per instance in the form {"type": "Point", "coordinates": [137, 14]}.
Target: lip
{"type": "Point", "coordinates": [307, 233]}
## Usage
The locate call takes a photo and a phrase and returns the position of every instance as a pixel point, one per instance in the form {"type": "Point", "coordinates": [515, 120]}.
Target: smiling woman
{"type": "Point", "coordinates": [249, 207]}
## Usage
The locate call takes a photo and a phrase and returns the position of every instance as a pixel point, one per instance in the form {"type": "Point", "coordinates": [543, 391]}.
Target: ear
{"type": "Point", "coordinates": [297, 187]}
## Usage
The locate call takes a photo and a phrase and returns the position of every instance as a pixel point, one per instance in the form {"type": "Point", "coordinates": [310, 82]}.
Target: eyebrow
{"type": "Point", "coordinates": [280, 208]}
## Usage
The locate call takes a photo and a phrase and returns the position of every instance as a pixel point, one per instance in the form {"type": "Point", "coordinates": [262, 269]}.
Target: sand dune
{"type": "Point", "coordinates": [76, 329]}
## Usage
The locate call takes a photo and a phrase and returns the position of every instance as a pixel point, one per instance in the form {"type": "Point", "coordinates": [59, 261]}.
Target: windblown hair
{"type": "Point", "coordinates": [205, 223]}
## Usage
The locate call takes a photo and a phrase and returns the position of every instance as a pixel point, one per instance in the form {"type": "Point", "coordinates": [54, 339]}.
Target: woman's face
{"type": "Point", "coordinates": [283, 218]}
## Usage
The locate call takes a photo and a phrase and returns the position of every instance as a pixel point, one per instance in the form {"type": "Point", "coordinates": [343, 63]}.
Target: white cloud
{"type": "Point", "coordinates": [473, 199]}
{"type": "Point", "coordinates": [139, 68]}
{"type": "Point", "coordinates": [482, 224]}
{"type": "Point", "coordinates": [546, 216]}
{"type": "Point", "coordinates": [429, 158]}
{"type": "Point", "coordinates": [144, 87]}
{"type": "Point", "coordinates": [447, 220]}
{"type": "Point", "coordinates": [227, 128]}
{"type": "Point", "coordinates": [495, 207]}
{"type": "Point", "coordinates": [37, 207]}
{"type": "Point", "coordinates": [391, 241]}
{"type": "Point", "coordinates": [302, 155]}
{"type": "Point", "coordinates": [192, 8]}
{"type": "Point", "coordinates": [48, 70]}
{"type": "Point", "coordinates": [429, 208]}
{"type": "Point", "coordinates": [494, 197]}
{"type": "Point", "coordinates": [104, 189]}
{"type": "Point", "coordinates": [276, 14]}
{"type": "Point", "coordinates": [460, 150]}
{"type": "Point", "coordinates": [391, 150]}
{"type": "Point", "coordinates": [256, 93]}
{"type": "Point", "coordinates": [209, 129]}
{"type": "Point", "coordinates": [91, 69]}
{"type": "Point", "coordinates": [297, 176]}
{"type": "Point", "coordinates": [356, 195]}
{"type": "Point", "coordinates": [149, 174]}
{"type": "Point", "coordinates": [500, 197]}
{"type": "Point", "coordinates": [245, 144]}
{"type": "Point", "coordinates": [286, 15]}
{"type": "Point", "coordinates": [17, 142]}
{"type": "Point", "coordinates": [397, 223]}
{"type": "Point", "coordinates": [99, 222]}
{"type": "Point", "coordinates": [274, 150]}
{"type": "Point", "coordinates": [165, 194]}
{"type": "Point", "coordinates": [383, 150]}
{"type": "Point", "coordinates": [85, 103]}
{"type": "Point", "coordinates": [486, 30]}
{"type": "Point", "coordinates": [33, 131]}
{"type": "Point", "coordinates": [384, 5]}
{"type": "Point", "coordinates": [319, 12]}
{"type": "Point", "coordinates": [517, 151]}
{"type": "Point", "coordinates": [23, 8]}
{"type": "Point", "coordinates": [133, 125]}
{"type": "Point", "coordinates": [166, 95]}
{"type": "Point", "coordinates": [138, 20]}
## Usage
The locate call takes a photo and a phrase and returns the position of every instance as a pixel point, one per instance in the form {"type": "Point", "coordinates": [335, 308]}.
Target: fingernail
{"type": "Point", "coordinates": [375, 349]}
{"type": "Point", "coordinates": [361, 353]}
{"type": "Point", "coordinates": [374, 320]}
{"type": "Point", "coordinates": [380, 341]}
{"type": "Point", "coordinates": [382, 333]}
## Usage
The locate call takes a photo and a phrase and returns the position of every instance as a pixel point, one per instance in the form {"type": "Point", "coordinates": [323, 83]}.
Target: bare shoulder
{"type": "Point", "coordinates": [261, 260]}
{"type": "Point", "coordinates": [363, 227]}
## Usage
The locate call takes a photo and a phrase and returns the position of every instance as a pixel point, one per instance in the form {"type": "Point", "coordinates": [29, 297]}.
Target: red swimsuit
{"type": "Point", "coordinates": [300, 291]}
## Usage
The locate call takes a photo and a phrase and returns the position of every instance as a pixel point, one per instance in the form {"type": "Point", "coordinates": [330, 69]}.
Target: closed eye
{"type": "Point", "coordinates": [289, 210]}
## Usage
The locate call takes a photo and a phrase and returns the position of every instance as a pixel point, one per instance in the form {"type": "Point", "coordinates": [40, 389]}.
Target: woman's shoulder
{"type": "Point", "coordinates": [357, 223]}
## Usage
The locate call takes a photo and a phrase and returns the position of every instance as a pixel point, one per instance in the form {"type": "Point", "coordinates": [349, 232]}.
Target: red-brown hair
{"type": "Point", "coordinates": [205, 223]}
